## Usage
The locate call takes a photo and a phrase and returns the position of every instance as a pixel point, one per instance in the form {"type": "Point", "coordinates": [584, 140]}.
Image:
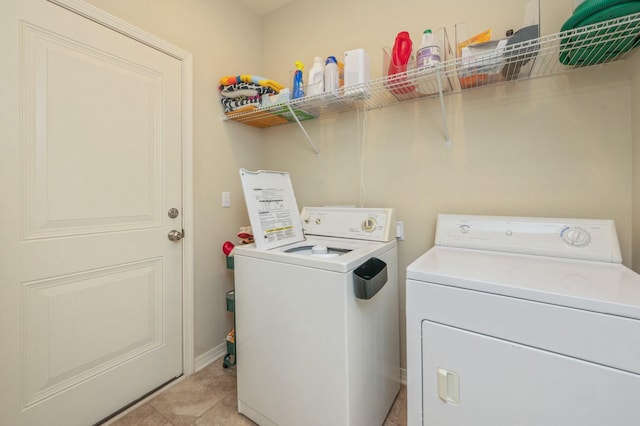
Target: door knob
{"type": "Point", "coordinates": [175, 235]}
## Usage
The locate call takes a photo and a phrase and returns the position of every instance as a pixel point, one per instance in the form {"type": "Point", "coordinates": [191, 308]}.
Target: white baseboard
{"type": "Point", "coordinates": [403, 376]}
{"type": "Point", "coordinates": [211, 355]}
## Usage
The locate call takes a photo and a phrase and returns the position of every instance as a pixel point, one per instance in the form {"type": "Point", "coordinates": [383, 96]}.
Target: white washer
{"type": "Point", "coordinates": [522, 321]}
{"type": "Point", "coordinates": [316, 344]}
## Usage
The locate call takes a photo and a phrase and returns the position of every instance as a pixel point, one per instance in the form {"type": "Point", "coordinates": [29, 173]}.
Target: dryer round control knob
{"type": "Point", "coordinates": [369, 224]}
{"type": "Point", "coordinates": [575, 236]}
{"type": "Point", "coordinates": [464, 229]}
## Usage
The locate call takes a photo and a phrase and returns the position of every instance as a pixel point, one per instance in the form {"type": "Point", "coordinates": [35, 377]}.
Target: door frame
{"type": "Point", "coordinates": [95, 14]}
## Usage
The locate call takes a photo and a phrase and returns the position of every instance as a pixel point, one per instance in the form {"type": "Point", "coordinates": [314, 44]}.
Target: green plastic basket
{"type": "Point", "coordinates": [588, 43]}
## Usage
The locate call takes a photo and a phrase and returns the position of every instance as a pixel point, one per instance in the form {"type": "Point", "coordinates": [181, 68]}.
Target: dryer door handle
{"type": "Point", "coordinates": [448, 386]}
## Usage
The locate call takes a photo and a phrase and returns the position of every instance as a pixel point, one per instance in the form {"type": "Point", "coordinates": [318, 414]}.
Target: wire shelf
{"type": "Point", "coordinates": [583, 47]}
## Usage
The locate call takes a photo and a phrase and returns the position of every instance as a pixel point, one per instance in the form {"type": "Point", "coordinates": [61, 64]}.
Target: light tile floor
{"type": "Point", "coordinates": [208, 398]}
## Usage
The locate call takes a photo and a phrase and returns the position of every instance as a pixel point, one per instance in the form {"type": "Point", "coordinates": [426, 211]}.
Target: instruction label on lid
{"type": "Point", "coordinates": [273, 211]}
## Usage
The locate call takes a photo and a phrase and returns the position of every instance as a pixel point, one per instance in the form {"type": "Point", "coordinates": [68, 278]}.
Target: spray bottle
{"type": "Point", "coordinates": [298, 91]}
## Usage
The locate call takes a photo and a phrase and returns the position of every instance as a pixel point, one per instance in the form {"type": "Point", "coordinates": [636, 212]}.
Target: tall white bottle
{"type": "Point", "coordinates": [429, 53]}
{"type": "Point", "coordinates": [331, 77]}
{"type": "Point", "coordinates": [315, 83]}
{"type": "Point", "coordinates": [357, 70]}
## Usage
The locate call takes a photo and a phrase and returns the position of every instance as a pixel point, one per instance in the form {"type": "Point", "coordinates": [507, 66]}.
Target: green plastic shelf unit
{"type": "Point", "coordinates": [230, 358]}
{"type": "Point", "coordinates": [231, 348]}
{"type": "Point", "coordinates": [231, 301]}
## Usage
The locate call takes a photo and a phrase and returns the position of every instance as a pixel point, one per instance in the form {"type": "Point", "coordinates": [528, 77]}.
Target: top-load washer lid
{"type": "Point", "coordinates": [273, 211]}
{"type": "Point", "coordinates": [353, 253]}
{"type": "Point", "coordinates": [335, 239]}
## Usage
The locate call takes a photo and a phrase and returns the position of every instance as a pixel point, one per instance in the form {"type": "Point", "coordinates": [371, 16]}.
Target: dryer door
{"type": "Point", "coordinates": [469, 378]}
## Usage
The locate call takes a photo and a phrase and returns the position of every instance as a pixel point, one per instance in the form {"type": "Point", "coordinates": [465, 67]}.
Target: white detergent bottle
{"type": "Point", "coordinates": [429, 53]}
{"type": "Point", "coordinates": [331, 77]}
{"type": "Point", "coordinates": [315, 83]}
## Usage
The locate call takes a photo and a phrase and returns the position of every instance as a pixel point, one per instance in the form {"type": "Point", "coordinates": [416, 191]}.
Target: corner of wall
{"type": "Point", "coordinates": [635, 185]}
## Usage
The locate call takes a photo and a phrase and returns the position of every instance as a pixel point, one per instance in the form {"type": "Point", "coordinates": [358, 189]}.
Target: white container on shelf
{"type": "Point", "coordinates": [429, 53]}
{"type": "Point", "coordinates": [315, 83]}
{"type": "Point", "coordinates": [356, 73]}
{"type": "Point", "coordinates": [331, 77]}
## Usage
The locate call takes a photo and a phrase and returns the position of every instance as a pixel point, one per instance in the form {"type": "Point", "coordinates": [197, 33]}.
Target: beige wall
{"type": "Point", "coordinates": [220, 46]}
{"type": "Point", "coordinates": [558, 146]}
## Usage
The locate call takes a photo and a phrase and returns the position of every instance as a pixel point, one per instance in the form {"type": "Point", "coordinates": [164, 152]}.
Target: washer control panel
{"type": "Point", "coordinates": [584, 239]}
{"type": "Point", "coordinates": [349, 222]}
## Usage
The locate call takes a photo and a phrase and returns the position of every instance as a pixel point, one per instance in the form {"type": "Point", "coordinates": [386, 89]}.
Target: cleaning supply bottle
{"type": "Point", "coordinates": [429, 53]}
{"type": "Point", "coordinates": [401, 53]}
{"type": "Point", "coordinates": [298, 91]}
{"type": "Point", "coordinates": [400, 57]}
{"type": "Point", "coordinates": [331, 77]}
{"type": "Point", "coordinates": [315, 84]}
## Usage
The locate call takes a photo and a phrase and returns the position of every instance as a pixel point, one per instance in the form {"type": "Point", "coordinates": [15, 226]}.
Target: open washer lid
{"type": "Point", "coordinates": [273, 211]}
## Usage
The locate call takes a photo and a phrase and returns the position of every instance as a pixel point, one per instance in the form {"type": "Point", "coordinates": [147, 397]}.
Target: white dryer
{"type": "Point", "coordinates": [522, 321]}
{"type": "Point", "coordinates": [317, 321]}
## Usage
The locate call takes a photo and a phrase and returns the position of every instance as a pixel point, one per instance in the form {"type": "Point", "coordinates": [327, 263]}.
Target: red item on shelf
{"type": "Point", "coordinates": [400, 56]}
{"type": "Point", "coordinates": [401, 53]}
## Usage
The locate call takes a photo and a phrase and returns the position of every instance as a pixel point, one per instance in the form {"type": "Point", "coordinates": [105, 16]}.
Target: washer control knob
{"type": "Point", "coordinates": [464, 229]}
{"type": "Point", "coordinates": [369, 224]}
{"type": "Point", "coordinates": [575, 236]}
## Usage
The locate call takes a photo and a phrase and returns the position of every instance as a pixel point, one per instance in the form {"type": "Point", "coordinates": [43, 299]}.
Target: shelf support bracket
{"type": "Point", "coordinates": [447, 140]}
{"type": "Point", "coordinates": [313, 146]}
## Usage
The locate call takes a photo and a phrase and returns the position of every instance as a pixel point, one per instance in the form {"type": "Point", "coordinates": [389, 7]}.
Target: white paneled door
{"type": "Point", "coordinates": [90, 159]}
